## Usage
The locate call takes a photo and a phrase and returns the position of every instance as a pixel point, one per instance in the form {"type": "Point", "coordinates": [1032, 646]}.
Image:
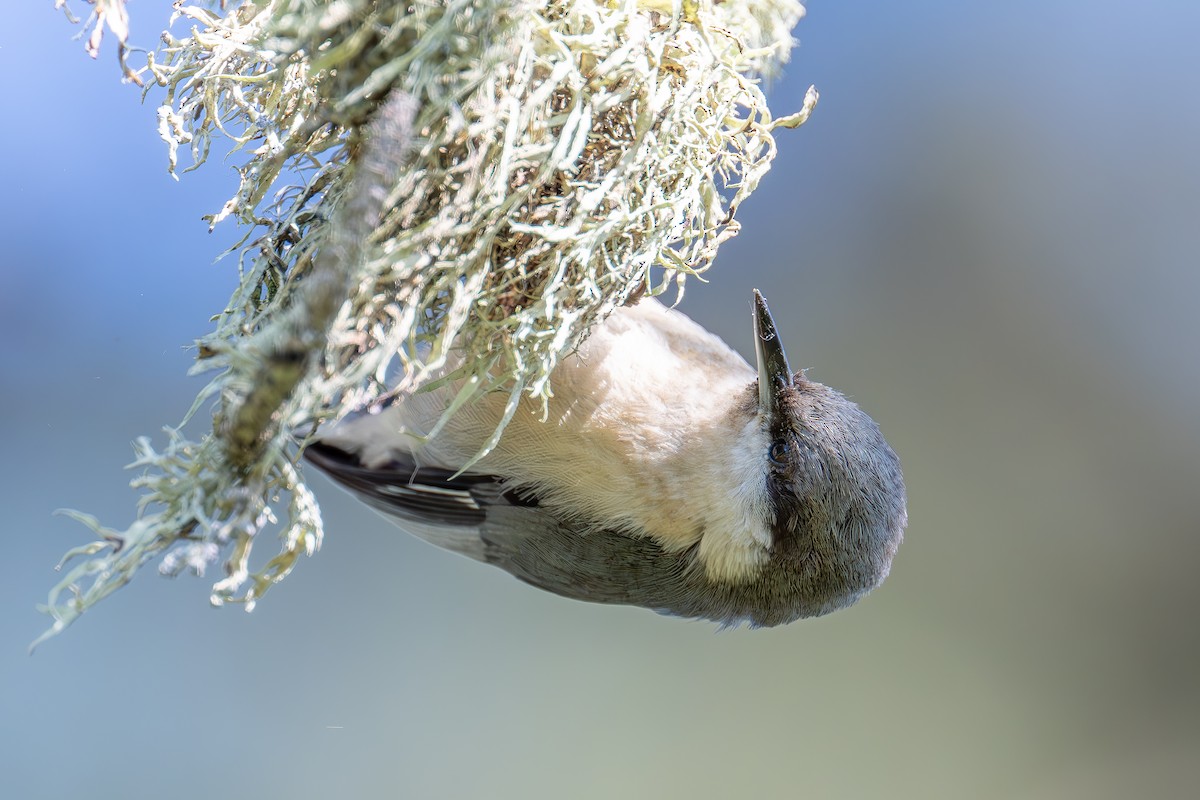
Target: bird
{"type": "Point", "coordinates": [665, 472]}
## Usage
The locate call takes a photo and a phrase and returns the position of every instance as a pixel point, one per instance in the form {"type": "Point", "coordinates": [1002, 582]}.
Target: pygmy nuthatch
{"type": "Point", "coordinates": [669, 474]}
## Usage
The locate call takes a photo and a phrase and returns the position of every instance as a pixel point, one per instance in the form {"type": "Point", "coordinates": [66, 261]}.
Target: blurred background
{"type": "Point", "coordinates": [988, 235]}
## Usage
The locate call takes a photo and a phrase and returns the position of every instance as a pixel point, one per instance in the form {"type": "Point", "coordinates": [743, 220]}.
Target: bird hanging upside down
{"type": "Point", "coordinates": [669, 474]}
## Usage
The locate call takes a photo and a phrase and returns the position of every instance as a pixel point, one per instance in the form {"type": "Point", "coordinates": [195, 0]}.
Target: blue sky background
{"type": "Point", "coordinates": [987, 235]}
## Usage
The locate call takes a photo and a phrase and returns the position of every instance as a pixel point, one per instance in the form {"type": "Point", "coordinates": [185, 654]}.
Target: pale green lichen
{"type": "Point", "coordinates": [489, 176]}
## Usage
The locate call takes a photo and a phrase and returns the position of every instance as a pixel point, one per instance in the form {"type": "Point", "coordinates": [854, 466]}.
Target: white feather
{"type": "Point", "coordinates": [648, 431]}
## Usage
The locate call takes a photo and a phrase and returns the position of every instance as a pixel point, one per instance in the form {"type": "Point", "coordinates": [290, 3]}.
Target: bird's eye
{"type": "Point", "coordinates": [778, 453]}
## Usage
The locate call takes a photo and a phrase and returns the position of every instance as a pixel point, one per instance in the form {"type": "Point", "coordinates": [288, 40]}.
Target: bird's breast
{"type": "Point", "coordinates": [647, 432]}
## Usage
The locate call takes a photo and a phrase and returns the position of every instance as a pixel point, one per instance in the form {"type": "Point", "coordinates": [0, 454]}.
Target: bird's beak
{"type": "Point", "coordinates": [774, 374]}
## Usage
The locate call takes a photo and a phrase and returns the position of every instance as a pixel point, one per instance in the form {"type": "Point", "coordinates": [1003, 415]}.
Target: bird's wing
{"type": "Point", "coordinates": [431, 503]}
{"type": "Point", "coordinates": [402, 489]}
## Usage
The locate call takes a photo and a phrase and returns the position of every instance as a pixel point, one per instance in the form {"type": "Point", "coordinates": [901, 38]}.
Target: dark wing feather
{"type": "Point", "coordinates": [430, 495]}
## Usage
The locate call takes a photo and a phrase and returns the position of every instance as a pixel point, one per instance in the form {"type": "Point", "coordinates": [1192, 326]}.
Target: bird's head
{"type": "Point", "coordinates": [835, 497]}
